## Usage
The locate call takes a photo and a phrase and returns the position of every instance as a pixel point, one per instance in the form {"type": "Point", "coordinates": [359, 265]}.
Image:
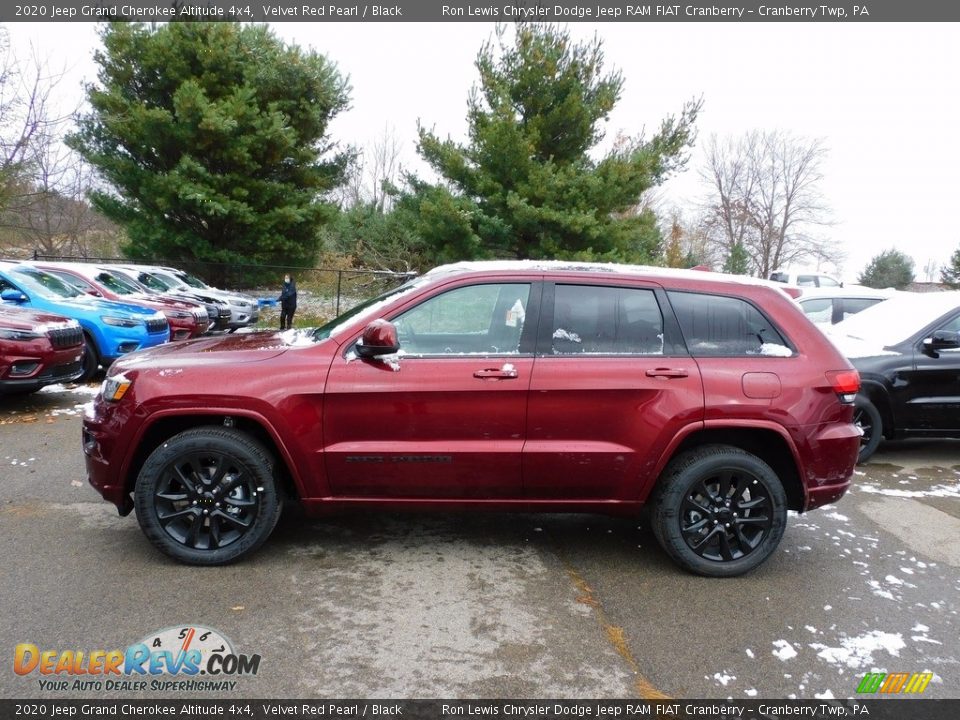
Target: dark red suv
{"type": "Point", "coordinates": [37, 349]}
{"type": "Point", "coordinates": [507, 386]}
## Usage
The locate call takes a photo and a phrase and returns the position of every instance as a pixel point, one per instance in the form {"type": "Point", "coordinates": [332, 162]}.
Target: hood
{"type": "Point", "coordinates": [224, 349]}
{"type": "Point", "coordinates": [16, 318]}
{"type": "Point", "coordinates": [104, 307]}
{"type": "Point", "coordinates": [853, 347]}
{"type": "Point", "coordinates": [166, 302]}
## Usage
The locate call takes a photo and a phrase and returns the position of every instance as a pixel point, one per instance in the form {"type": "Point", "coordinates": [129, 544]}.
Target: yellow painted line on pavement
{"type": "Point", "coordinates": [615, 636]}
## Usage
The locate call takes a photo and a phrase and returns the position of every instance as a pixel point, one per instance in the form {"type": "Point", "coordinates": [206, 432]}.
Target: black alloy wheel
{"type": "Point", "coordinates": [726, 516]}
{"type": "Point", "coordinates": [208, 496]}
{"type": "Point", "coordinates": [719, 511]}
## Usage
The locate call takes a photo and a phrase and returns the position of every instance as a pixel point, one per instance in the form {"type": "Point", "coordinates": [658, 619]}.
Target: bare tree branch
{"type": "Point", "coordinates": [764, 195]}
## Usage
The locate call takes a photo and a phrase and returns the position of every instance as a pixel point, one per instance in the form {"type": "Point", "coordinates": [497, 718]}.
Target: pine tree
{"type": "Point", "coordinates": [527, 184]}
{"type": "Point", "coordinates": [950, 274]}
{"type": "Point", "coordinates": [891, 268]}
{"type": "Point", "coordinates": [213, 140]}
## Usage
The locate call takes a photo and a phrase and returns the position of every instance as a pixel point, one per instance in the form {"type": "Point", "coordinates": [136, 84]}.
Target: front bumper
{"type": "Point", "coordinates": [104, 435]}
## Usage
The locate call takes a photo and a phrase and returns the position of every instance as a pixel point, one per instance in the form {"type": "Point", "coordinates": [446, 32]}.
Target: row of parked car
{"type": "Point", "coordinates": [61, 321]}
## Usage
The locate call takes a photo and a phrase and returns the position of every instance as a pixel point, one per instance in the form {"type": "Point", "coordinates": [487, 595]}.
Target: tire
{"type": "Point", "coordinates": [90, 362]}
{"type": "Point", "coordinates": [699, 492]}
{"type": "Point", "coordinates": [208, 496]}
{"type": "Point", "coordinates": [867, 418]}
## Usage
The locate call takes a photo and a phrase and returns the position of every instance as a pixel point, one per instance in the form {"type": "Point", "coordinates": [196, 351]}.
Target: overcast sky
{"type": "Point", "coordinates": [884, 97]}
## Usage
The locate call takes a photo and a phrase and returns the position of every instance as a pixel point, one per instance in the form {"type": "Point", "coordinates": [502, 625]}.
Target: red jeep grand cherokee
{"type": "Point", "coordinates": [533, 386]}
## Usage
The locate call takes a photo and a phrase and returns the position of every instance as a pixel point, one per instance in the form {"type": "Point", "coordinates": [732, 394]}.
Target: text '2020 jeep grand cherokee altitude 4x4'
{"type": "Point", "coordinates": [504, 385]}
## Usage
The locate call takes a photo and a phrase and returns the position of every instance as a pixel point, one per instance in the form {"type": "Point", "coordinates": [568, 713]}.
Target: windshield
{"type": "Point", "coordinates": [45, 284]}
{"type": "Point", "coordinates": [157, 282]}
{"type": "Point", "coordinates": [894, 320]}
{"type": "Point", "coordinates": [119, 285]}
{"type": "Point", "coordinates": [192, 281]}
{"type": "Point", "coordinates": [366, 308]}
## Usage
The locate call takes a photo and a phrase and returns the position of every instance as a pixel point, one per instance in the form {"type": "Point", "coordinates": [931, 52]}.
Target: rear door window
{"type": "Point", "coordinates": [718, 325]}
{"type": "Point", "coordinates": [604, 320]}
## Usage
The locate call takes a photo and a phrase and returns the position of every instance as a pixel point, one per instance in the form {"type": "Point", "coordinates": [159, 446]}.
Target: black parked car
{"type": "Point", "coordinates": [907, 350]}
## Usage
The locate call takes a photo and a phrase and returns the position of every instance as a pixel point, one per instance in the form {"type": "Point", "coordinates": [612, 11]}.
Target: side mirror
{"type": "Point", "coordinates": [11, 295]}
{"type": "Point", "coordinates": [95, 293]}
{"type": "Point", "coordinates": [941, 340]}
{"type": "Point", "coordinates": [379, 338]}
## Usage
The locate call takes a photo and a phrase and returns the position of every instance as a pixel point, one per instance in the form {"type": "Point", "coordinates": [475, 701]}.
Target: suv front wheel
{"type": "Point", "coordinates": [719, 511]}
{"type": "Point", "coordinates": [208, 496]}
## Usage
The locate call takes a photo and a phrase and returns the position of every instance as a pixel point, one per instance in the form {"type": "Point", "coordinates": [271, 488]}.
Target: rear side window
{"type": "Point", "coordinates": [596, 319]}
{"type": "Point", "coordinates": [819, 310]}
{"type": "Point", "coordinates": [828, 282]}
{"type": "Point", "coordinates": [807, 280]}
{"type": "Point", "coordinates": [717, 326]}
{"type": "Point", "coordinates": [779, 277]}
{"type": "Point", "coordinates": [851, 306]}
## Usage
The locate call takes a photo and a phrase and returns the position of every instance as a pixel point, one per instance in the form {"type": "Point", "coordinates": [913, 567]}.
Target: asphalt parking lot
{"type": "Point", "coordinates": [379, 605]}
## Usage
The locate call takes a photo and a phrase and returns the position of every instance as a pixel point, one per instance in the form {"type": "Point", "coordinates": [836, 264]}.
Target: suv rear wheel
{"type": "Point", "coordinates": [719, 511]}
{"type": "Point", "coordinates": [208, 496]}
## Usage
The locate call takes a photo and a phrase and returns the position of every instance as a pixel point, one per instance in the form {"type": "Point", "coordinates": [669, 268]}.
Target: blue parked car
{"type": "Point", "coordinates": [111, 328]}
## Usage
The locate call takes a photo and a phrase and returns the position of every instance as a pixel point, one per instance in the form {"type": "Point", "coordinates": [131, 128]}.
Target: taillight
{"type": "Point", "coordinates": [845, 384]}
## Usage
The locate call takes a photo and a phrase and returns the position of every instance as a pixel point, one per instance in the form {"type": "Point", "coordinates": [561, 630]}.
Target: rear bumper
{"type": "Point", "coordinates": [831, 457]}
{"type": "Point", "coordinates": [825, 494]}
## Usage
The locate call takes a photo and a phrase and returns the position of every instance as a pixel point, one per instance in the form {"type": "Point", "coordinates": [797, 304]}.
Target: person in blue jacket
{"type": "Point", "coordinates": [288, 302]}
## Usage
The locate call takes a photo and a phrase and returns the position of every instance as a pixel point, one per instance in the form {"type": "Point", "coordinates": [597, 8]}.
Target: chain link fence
{"type": "Point", "coordinates": [323, 292]}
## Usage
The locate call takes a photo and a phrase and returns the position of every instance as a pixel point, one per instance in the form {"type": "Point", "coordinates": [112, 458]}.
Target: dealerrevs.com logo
{"type": "Point", "coordinates": [183, 658]}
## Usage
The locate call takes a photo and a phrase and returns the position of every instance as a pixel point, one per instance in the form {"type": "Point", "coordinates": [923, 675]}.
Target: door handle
{"type": "Point", "coordinates": [667, 373]}
{"type": "Point", "coordinates": [507, 372]}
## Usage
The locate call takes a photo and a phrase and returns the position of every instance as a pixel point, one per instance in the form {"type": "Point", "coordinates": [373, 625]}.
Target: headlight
{"type": "Point", "coordinates": [115, 387]}
{"type": "Point", "coordinates": [24, 335]}
{"type": "Point", "coordinates": [119, 321]}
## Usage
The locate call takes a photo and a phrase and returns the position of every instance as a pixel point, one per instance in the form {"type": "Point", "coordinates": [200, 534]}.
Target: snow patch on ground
{"type": "Point", "coordinates": [76, 389]}
{"type": "Point", "coordinates": [939, 491]}
{"type": "Point", "coordinates": [784, 650]}
{"type": "Point", "coordinates": [857, 652]}
{"type": "Point", "coordinates": [723, 678]}
{"type": "Point", "coordinates": [837, 516]}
